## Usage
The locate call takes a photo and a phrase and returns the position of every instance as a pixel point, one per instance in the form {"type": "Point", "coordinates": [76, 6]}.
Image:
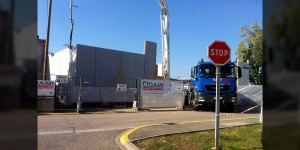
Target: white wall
{"type": "Point", "coordinates": [159, 70]}
{"type": "Point", "coordinates": [59, 63]}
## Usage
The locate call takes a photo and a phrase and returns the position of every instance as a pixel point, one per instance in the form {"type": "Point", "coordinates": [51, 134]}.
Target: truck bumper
{"type": "Point", "coordinates": [206, 99]}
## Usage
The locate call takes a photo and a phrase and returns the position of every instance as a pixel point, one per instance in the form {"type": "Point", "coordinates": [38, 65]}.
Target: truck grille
{"type": "Point", "coordinates": [213, 87]}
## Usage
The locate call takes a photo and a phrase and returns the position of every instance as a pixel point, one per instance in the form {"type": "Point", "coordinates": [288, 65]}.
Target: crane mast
{"type": "Point", "coordinates": [72, 23]}
{"type": "Point", "coordinates": [164, 21]}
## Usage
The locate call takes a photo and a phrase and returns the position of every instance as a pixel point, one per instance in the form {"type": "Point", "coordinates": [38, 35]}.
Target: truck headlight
{"type": "Point", "coordinates": [201, 99]}
{"type": "Point", "coordinates": [233, 99]}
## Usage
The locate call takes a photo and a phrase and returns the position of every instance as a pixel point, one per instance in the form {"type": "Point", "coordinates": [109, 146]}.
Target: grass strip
{"type": "Point", "coordinates": [241, 137]}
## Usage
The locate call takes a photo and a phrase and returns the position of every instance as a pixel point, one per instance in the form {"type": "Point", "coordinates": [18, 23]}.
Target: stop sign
{"type": "Point", "coordinates": [218, 52]}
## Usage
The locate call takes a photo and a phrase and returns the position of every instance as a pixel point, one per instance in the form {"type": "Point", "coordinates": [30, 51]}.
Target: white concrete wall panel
{"type": "Point", "coordinates": [132, 68]}
{"type": "Point", "coordinates": [244, 80]}
{"type": "Point", "coordinates": [108, 63]}
{"type": "Point", "coordinates": [150, 59]}
{"type": "Point", "coordinates": [85, 66]}
{"type": "Point", "coordinates": [59, 63]}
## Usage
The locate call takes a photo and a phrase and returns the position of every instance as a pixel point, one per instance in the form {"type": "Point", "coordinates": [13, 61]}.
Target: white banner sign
{"type": "Point", "coordinates": [45, 88]}
{"type": "Point", "coordinates": [161, 94]}
{"type": "Point", "coordinates": [61, 79]}
{"type": "Point", "coordinates": [121, 87]}
{"type": "Point", "coordinates": [156, 87]}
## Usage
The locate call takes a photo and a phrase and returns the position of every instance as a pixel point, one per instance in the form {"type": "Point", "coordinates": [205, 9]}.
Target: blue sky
{"type": "Point", "coordinates": [126, 24]}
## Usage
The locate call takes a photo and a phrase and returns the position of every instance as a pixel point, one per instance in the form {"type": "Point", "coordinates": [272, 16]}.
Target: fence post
{"type": "Point", "coordinates": [261, 113]}
{"type": "Point", "coordinates": [136, 103]}
{"type": "Point", "coordinates": [79, 97]}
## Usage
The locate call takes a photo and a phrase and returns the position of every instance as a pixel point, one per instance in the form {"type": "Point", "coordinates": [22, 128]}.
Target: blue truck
{"type": "Point", "coordinates": [202, 92]}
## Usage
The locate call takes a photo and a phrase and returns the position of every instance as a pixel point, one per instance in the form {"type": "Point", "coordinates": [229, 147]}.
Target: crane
{"type": "Point", "coordinates": [72, 23]}
{"type": "Point", "coordinates": [164, 21]}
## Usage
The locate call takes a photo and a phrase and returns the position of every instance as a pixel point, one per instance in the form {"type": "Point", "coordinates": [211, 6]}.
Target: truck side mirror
{"type": "Point", "coordinates": [239, 75]}
{"type": "Point", "coordinates": [192, 72]}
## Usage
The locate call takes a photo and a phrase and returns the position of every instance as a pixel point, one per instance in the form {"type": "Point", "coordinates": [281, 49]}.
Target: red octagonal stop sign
{"type": "Point", "coordinates": [218, 52]}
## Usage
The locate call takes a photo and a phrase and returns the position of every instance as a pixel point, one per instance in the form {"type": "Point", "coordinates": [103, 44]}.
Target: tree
{"type": "Point", "coordinates": [251, 48]}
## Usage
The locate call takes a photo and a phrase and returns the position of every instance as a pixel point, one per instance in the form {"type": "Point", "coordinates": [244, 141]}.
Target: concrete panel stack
{"type": "Point", "coordinates": [132, 68]}
{"type": "Point", "coordinates": [244, 80]}
{"type": "Point", "coordinates": [105, 68]}
{"type": "Point", "coordinates": [150, 60]}
{"type": "Point", "coordinates": [100, 67]}
{"type": "Point", "coordinates": [85, 66]}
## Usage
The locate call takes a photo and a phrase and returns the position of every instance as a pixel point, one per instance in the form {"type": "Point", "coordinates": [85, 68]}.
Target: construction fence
{"type": "Point", "coordinates": [160, 94]}
{"type": "Point", "coordinates": [67, 90]}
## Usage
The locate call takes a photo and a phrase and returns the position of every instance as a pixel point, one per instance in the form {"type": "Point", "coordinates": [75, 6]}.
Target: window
{"type": "Point", "coordinates": [209, 70]}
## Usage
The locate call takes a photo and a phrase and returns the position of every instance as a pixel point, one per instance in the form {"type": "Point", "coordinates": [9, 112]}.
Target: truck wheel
{"type": "Point", "coordinates": [190, 102]}
{"type": "Point", "coordinates": [196, 108]}
{"type": "Point", "coordinates": [186, 101]}
{"type": "Point", "coordinates": [232, 108]}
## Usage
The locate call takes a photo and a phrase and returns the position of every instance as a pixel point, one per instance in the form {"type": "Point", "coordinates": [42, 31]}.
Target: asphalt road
{"type": "Point", "coordinates": [98, 131]}
{"type": "Point", "coordinates": [98, 140]}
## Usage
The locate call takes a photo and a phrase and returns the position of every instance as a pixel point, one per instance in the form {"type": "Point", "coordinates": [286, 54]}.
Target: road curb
{"type": "Point", "coordinates": [125, 143]}
{"type": "Point", "coordinates": [188, 132]}
{"type": "Point", "coordinates": [128, 145]}
{"type": "Point", "coordinates": [75, 113]}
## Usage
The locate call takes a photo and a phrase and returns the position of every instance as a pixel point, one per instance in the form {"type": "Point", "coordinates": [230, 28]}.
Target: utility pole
{"type": "Point", "coordinates": [47, 40]}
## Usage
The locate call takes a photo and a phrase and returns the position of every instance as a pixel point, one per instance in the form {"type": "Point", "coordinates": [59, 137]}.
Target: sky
{"type": "Point", "coordinates": [125, 25]}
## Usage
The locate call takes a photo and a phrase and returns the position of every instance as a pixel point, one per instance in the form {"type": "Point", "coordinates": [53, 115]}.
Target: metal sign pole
{"type": "Point", "coordinates": [217, 118]}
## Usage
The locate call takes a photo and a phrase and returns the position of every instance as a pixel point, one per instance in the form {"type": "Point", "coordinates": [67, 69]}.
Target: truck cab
{"type": "Point", "coordinates": [203, 86]}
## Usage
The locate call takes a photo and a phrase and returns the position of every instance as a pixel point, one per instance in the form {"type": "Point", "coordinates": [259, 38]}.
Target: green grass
{"type": "Point", "coordinates": [242, 137]}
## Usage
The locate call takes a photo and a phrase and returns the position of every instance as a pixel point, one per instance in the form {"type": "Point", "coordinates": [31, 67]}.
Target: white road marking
{"type": "Point", "coordinates": [82, 130]}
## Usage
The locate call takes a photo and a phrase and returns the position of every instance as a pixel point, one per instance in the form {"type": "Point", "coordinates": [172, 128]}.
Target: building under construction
{"type": "Point", "coordinates": [94, 73]}
{"type": "Point", "coordinates": [97, 71]}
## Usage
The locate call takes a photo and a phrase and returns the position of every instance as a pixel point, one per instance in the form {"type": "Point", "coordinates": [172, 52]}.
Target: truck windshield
{"type": "Point", "coordinates": [209, 70]}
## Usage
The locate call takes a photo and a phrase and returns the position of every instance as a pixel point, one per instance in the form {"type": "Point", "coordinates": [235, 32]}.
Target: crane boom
{"type": "Point", "coordinates": [164, 20]}
{"type": "Point", "coordinates": [72, 24]}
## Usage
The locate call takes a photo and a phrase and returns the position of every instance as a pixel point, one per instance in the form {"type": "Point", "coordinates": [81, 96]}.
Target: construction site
{"type": "Point", "coordinates": [82, 77]}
